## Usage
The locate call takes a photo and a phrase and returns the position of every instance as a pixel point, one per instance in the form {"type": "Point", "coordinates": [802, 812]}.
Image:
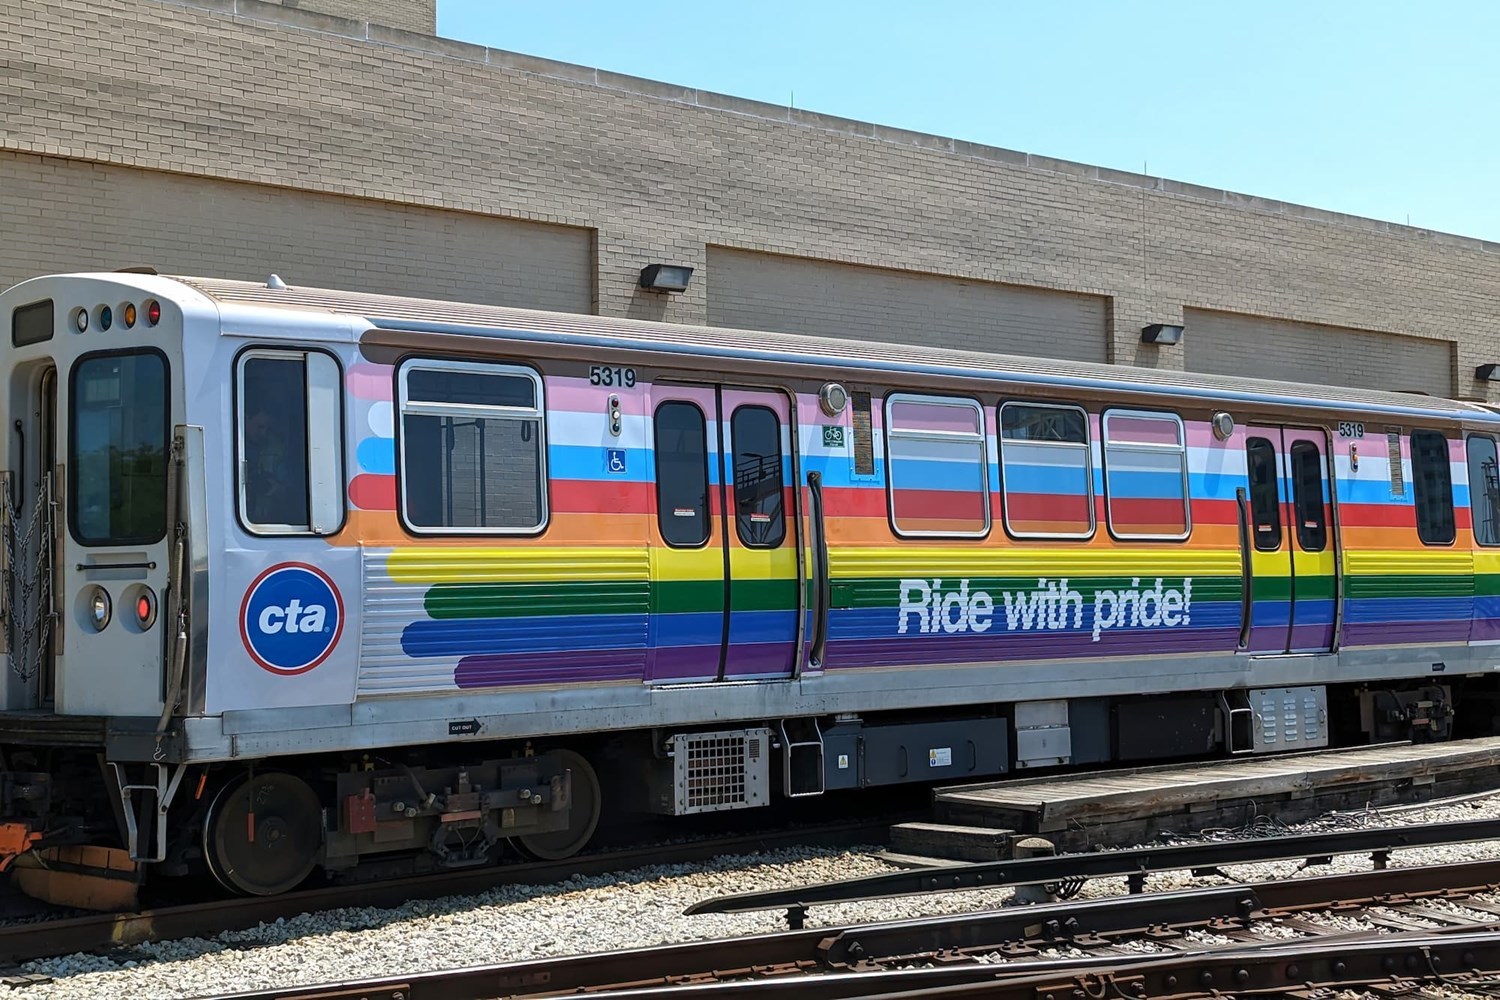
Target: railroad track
{"type": "Point", "coordinates": [1437, 924]}
{"type": "Point", "coordinates": [106, 931]}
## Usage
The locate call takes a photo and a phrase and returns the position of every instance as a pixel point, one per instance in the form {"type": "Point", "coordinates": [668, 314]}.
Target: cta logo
{"type": "Point", "coordinates": [291, 618]}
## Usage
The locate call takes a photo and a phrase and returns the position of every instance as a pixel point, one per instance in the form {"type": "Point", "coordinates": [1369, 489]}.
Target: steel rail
{"type": "Point", "coordinates": [821, 964]}
{"type": "Point", "coordinates": [1134, 863]}
{"type": "Point", "coordinates": [98, 932]}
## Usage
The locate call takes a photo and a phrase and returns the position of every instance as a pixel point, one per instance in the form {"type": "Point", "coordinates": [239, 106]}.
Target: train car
{"type": "Point", "coordinates": [298, 578]}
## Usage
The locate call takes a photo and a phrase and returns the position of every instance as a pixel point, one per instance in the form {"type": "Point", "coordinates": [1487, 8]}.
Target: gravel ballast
{"type": "Point", "coordinates": [627, 910]}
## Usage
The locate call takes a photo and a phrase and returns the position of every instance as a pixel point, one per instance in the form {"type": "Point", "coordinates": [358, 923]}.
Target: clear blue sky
{"type": "Point", "coordinates": [1376, 108]}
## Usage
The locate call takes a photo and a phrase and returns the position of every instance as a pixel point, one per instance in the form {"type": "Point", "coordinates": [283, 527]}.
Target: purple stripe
{"type": "Point", "coordinates": [1312, 638]}
{"type": "Point", "coordinates": [1380, 633]}
{"type": "Point", "coordinates": [571, 667]}
{"type": "Point", "coordinates": [759, 658]}
{"type": "Point", "coordinates": [1485, 628]}
{"type": "Point", "coordinates": [914, 650]}
{"type": "Point", "coordinates": [685, 663]}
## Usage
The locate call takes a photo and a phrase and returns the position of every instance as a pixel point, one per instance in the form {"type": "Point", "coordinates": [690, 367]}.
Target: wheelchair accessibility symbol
{"type": "Point", "coordinates": [614, 461]}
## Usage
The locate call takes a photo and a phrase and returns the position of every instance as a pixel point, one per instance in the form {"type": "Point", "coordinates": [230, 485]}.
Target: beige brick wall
{"type": "Point", "coordinates": [408, 15]}
{"type": "Point", "coordinates": [797, 295]}
{"type": "Point", "coordinates": [246, 91]}
{"type": "Point", "coordinates": [68, 215]}
{"type": "Point", "coordinates": [1234, 344]}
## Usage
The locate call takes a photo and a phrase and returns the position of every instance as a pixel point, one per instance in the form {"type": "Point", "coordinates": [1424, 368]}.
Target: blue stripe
{"type": "Point", "coordinates": [557, 633]}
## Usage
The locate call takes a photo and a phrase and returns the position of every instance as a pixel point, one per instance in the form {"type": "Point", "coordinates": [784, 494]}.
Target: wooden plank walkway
{"type": "Point", "coordinates": [1166, 797]}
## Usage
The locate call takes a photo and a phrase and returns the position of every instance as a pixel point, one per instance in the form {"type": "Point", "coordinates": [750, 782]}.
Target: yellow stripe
{"type": "Point", "coordinates": [887, 562]}
{"type": "Point", "coordinates": [708, 564]}
{"type": "Point", "coordinates": [519, 564]}
{"type": "Point", "coordinates": [1487, 561]}
{"type": "Point", "coordinates": [1422, 562]}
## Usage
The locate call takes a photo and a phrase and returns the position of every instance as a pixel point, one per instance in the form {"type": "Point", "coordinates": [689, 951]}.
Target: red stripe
{"type": "Point", "coordinates": [371, 492]}
{"type": "Point", "coordinates": [939, 505]}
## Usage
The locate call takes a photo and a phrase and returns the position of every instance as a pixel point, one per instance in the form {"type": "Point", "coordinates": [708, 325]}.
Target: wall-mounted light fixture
{"type": "Point", "coordinates": [1161, 334]}
{"type": "Point", "coordinates": [666, 277]}
{"type": "Point", "coordinates": [1486, 373]}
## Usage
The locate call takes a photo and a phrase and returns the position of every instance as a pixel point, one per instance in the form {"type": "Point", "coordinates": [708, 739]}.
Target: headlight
{"type": "Point", "coordinates": [99, 608]}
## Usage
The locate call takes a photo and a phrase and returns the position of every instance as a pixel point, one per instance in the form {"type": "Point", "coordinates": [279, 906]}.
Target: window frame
{"type": "Point", "coordinates": [1469, 471]}
{"type": "Point", "coordinates": [267, 530]}
{"type": "Point", "coordinates": [708, 486]}
{"type": "Point", "coordinates": [1416, 488]}
{"type": "Point", "coordinates": [537, 412]}
{"type": "Point", "coordinates": [1250, 442]}
{"type": "Point", "coordinates": [1180, 449]}
{"type": "Point", "coordinates": [890, 433]}
{"type": "Point", "coordinates": [734, 451]}
{"type": "Point", "coordinates": [1088, 468]}
{"type": "Point", "coordinates": [72, 446]}
{"type": "Point", "coordinates": [1300, 527]}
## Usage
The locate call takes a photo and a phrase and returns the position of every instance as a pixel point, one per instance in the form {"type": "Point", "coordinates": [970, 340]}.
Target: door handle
{"type": "Point", "coordinates": [820, 571]}
{"type": "Point", "coordinates": [1247, 570]}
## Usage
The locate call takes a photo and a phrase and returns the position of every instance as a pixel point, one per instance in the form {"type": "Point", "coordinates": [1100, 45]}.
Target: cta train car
{"type": "Point", "coordinates": [298, 578]}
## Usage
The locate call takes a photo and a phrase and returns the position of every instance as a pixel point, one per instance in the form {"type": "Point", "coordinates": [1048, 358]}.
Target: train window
{"type": "Point", "coordinates": [1432, 487]}
{"type": "Point", "coordinates": [117, 439]}
{"type": "Point", "coordinates": [759, 486]}
{"type": "Point", "coordinates": [1265, 497]}
{"type": "Point", "coordinates": [1307, 497]}
{"type": "Point", "coordinates": [1145, 475]}
{"type": "Point", "coordinates": [681, 446]}
{"type": "Point", "coordinates": [31, 324]}
{"type": "Point", "coordinates": [937, 469]}
{"type": "Point", "coordinates": [1046, 474]}
{"type": "Point", "coordinates": [473, 458]}
{"type": "Point", "coordinates": [1484, 489]}
{"type": "Point", "coordinates": [290, 442]}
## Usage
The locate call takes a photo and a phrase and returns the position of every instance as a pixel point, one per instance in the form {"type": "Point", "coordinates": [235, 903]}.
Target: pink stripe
{"type": "Point", "coordinates": [933, 417]}
{"type": "Point", "coordinates": [577, 396]}
{"type": "Point", "coordinates": [372, 382]}
{"type": "Point", "coordinates": [1140, 430]}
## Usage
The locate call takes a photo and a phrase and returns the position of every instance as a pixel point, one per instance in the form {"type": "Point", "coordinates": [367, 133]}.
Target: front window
{"type": "Point", "coordinates": [117, 438]}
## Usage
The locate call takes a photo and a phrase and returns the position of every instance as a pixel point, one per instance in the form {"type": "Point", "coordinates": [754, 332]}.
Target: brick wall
{"type": "Point", "coordinates": [769, 292]}
{"type": "Point", "coordinates": [253, 93]}
{"type": "Point", "coordinates": [408, 15]}
{"type": "Point", "coordinates": [1299, 352]}
{"type": "Point", "coordinates": [70, 215]}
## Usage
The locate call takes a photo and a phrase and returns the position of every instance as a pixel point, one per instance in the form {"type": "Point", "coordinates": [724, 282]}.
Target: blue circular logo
{"type": "Point", "coordinates": [291, 618]}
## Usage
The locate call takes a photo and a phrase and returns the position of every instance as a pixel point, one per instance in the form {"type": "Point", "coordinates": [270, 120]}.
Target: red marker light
{"type": "Point", "coordinates": [153, 312]}
{"type": "Point", "coordinates": [145, 609]}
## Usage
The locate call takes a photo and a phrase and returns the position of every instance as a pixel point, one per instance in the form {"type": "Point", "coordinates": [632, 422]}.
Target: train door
{"type": "Point", "coordinates": [1292, 555]}
{"type": "Point", "coordinates": [34, 536]}
{"type": "Point", "coordinates": [725, 597]}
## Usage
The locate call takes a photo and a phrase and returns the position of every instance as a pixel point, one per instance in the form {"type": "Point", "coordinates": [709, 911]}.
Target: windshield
{"type": "Point", "coordinates": [118, 449]}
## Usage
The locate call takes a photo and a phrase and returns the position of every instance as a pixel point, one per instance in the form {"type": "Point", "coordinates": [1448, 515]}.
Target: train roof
{"type": "Point", "coordinates": [395, 312]}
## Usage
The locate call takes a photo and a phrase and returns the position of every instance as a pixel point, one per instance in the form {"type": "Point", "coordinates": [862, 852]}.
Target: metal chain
{"type": "Point", "coordinates": [29, 587]}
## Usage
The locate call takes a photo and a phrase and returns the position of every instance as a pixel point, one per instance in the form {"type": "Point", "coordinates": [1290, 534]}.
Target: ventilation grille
{"type": "Point", "coordinates": [719, 771]}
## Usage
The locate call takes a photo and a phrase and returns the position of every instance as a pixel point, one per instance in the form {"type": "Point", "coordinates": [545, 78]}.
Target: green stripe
{"type": "Point", "coordinates": [520, 600]}
{"type": "Point", "coordinates": [884, 593]}
{"type": "Point", "coordinates": [1409, 586]}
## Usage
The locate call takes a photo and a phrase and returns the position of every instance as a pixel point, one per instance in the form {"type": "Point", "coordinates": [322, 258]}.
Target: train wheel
{"type": "Point", "coordinates": [261, 835]}
{"type": "Point", "coordinates": [583, 817]}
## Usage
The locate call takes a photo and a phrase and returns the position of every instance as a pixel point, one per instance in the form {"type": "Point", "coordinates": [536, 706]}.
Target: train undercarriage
{"type": "Point", "coordinates": [81, 830]}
